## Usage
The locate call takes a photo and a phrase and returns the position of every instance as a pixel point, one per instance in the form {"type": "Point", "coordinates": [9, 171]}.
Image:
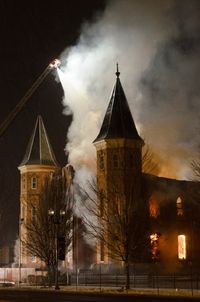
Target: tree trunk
{"type": "Point", "coordinates": [50, 275]}
{"type": "Point", "coordinates": [127, 272]}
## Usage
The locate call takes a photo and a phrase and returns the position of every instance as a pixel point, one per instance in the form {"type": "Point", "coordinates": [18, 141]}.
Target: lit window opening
{"type": "Point", "coordinates": [179, 206]}
{"type": "Point", "coordinates": [154, 210]}
{"type": "Point", "coordinates": [154, 239]}
{"type": "Point", "coordinates": [182, 247]}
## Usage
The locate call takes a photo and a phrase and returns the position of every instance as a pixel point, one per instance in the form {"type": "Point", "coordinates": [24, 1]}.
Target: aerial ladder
{"type": "Point", "coordinates": [11, 116]}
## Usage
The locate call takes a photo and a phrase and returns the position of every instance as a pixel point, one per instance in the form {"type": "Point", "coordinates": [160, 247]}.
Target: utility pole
{"type": "Point", "coordinates": [56, 218]}
{"type": "Point", "coordinates": [76, 247]}
{"type": "Point", "coordinates": [20, 251]}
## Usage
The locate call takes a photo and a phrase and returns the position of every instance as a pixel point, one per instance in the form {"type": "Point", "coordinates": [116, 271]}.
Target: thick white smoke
{"type": "Point", "coordinates": [135, 34]}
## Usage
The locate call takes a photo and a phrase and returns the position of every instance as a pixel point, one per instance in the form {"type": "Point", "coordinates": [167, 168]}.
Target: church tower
{"type": "Point", "coordinates": [39, 161]}
{"type": "Point", "coordinates": [119, 157]}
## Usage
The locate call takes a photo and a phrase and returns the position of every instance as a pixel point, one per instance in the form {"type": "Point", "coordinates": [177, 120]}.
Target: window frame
{"type": "Point", "coordinates": [33, 182]}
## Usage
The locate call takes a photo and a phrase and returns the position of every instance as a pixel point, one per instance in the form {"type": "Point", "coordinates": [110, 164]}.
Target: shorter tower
{"type": "Point", "coordinates": [119, 158]}
{"type": "Point", "coordinates": [39, 161]}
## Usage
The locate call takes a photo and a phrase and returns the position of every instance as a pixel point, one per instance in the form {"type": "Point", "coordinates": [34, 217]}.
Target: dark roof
{"type": "Point", "coordinates": [169, 189]}
{"type": "Point", "coordinates": [118, 121]}
{"type": "Point", "coordinates": [39, 150]}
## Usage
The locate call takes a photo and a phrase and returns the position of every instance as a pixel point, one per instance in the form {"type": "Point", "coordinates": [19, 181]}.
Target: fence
{"type": "Point", "coordinates": [90, 278]}
{"type": "Point", "coordinates": [137, 281]}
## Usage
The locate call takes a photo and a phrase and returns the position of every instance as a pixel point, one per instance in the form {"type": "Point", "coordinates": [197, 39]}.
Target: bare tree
{"type": "Point", "coordinates": [118, 224]}
{"type": "Point", "coordinates": [41, 231]}
{"type": "Point", "coordinates": [149, 162]}
{"type": "Point", "coordinates": [195, 165]}
{"type": "Point", "coordinates": [118, 220]}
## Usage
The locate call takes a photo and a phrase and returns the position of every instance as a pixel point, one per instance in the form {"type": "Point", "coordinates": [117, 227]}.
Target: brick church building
{"type": "Point", "coordinates": [172, 207]}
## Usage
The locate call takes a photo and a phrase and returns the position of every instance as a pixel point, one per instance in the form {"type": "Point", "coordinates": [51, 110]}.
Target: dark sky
{"type": "Point", "coordinates": [32, 34]}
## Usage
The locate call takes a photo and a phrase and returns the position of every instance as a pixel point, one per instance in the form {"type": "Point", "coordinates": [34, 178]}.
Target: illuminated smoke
{"type": "Point", "coordinates": [159, 72]}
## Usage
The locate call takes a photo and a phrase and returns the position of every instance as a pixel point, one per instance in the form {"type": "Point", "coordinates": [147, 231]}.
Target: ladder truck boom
{"type": "Point", "coordinates": [11, 116]}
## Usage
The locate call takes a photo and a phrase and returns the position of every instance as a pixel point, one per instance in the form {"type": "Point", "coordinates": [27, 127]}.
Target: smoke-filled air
{"type": "Point", "coordinates": [157, 46]}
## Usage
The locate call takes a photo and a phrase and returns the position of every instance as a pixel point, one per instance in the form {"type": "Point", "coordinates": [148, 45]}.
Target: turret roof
{"type": "Point", "coordinates": [118, 121]}
{"type": "Point", "coordinates": [39, 150]}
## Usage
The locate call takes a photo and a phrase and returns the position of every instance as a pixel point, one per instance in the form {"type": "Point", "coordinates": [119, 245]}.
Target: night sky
{"type": "Point", "coordinates": [32, 34]}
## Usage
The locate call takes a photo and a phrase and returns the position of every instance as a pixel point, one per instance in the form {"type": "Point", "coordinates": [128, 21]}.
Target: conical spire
{"type": "Point", "coordinates": [118, 121]}
{"type": "Point", "coordinates": [39, 150]}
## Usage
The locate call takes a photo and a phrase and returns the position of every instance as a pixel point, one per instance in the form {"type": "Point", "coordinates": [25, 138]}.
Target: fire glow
{"type": "Point", "coordinates": [181, 247]}
{"type": "Point", "coordinates": [154, 246]}
{"type": "Point", "coordinates": [153, 207]}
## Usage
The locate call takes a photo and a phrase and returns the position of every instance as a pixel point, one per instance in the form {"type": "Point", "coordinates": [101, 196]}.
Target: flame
{"type": "Point", "coordinates": [154, 210]}
{"type": "Point", "coordinates": [154, 246]}
{"type": "Point", "coordinates": [153, 237]}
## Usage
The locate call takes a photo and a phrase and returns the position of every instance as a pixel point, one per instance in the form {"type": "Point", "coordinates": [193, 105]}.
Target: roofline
{"type": "Point", "coordinates": [118, 142]}
{"type": "Point", "coordinates": [38, 168]}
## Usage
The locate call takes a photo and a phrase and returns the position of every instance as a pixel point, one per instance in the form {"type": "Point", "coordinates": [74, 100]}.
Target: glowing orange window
{"type": "Point", "coordinates": [154, 210]}
{"type": "Point", "coordinates": [179, 206]}
{"type": "Point", "coordinates": [154, 239]}
{"type": "Point", "coordinates": [181, 247]}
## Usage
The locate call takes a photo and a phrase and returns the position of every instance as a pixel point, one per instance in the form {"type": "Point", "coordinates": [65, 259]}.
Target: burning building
{"type": "Point", "coordinates": [171, 207]}
{"type": "Point", "coordinates": [168, 209]}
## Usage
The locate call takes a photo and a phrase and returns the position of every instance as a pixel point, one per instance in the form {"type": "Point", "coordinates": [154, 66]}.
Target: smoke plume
{"type": "Point", "coordinates": [156, 44]}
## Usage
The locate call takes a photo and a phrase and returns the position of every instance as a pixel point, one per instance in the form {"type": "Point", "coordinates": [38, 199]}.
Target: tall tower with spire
{"type": "Point", "coordinates": [119, 160]}
{"type": "Point", "coordinates": [39, 161]}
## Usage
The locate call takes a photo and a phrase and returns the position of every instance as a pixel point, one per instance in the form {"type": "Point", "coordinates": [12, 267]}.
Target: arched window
{"type": "Point", "coordinates": [154, 209]}
{"type": "Point", "coordinates": [155, 252]}
{"type": "Point", "coordinates": [179, 206]}
{"type": "Point", "coordinates": [181, 247]}
{"type": "Point", "coordinates": [33, 182]}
